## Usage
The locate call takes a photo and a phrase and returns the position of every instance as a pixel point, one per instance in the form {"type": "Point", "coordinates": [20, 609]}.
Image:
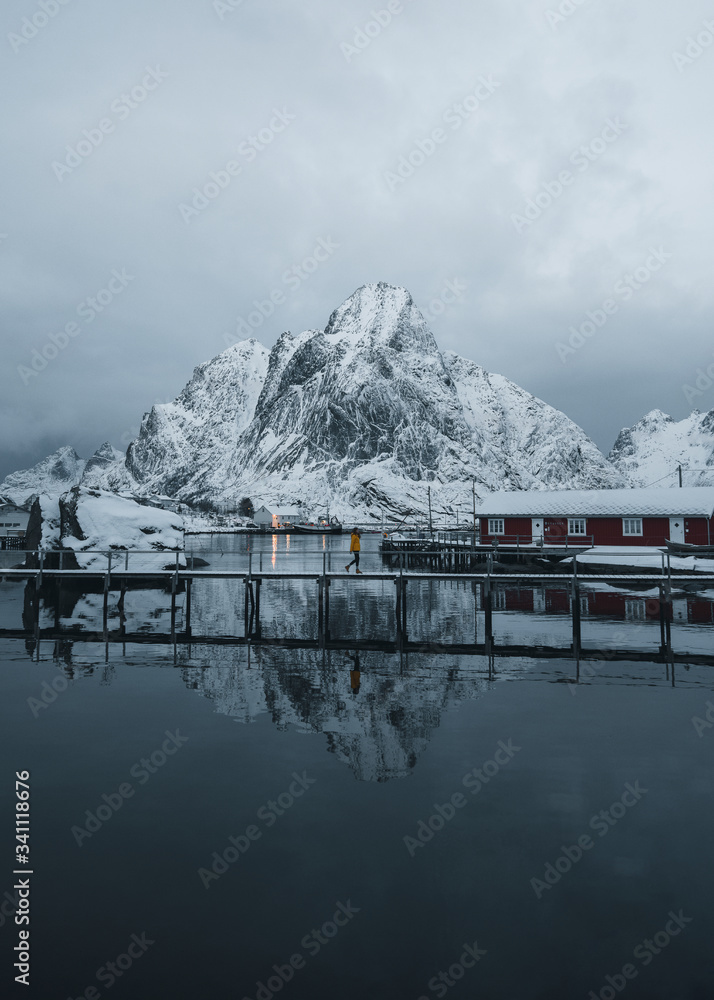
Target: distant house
{"type": "Point", "coordinates": [13, 521]}
{"type": "Point", "coordinates": [277, 516]}
{"type": "Point", "coordinates": [165, 503]}
{"type": "Point", "coordinates": [599, 517]}
{"type": "Point", "coordinates": [263, 516]}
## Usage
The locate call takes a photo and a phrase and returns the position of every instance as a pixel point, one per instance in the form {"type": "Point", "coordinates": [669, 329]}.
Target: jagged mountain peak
{"type": "Point", "coordinates": [54, 474]}
{"type": "Point", "coordinates": [653, 449]}
{"type": "Point", "coordinates": [655, 416]}
{"type": "Point", "coordinates": [381, 315]}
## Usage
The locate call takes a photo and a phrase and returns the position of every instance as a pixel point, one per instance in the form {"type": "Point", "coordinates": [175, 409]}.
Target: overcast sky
{"type": "Point", "coordinates": [159, 94]}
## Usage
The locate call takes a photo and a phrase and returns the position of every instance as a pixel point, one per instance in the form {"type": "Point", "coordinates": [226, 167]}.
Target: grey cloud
{"type": "Point", "coordinates": [324, 177]}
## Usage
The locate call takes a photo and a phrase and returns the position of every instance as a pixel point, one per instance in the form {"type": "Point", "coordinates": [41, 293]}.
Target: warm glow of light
{"type": "Point", "coordinates": [275, 549]}
{"type": "Point", "coordinates": [287, 543]}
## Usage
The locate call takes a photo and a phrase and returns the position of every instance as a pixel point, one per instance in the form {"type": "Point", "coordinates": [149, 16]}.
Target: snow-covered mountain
{"type": "Point", "coordinates": [651, 450]}
{"type": "Point", "coordinates": [58, 472]}
{"type": "Point", "coordinates": [360, 416]}
{"type": "Point", "coordinates": [104, 457]}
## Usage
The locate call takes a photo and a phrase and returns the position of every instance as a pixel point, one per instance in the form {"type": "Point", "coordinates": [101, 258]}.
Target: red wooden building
{"type": "Point", "coordinates": [599, 517]}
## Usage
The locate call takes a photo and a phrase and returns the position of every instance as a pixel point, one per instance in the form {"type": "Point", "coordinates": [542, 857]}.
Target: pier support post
{"type": "Point", "coordinates": [35, 603]}
{"type": "Point", "coordinates": [404, 582]}
{"type": "Point", "coordinates": [246, 626]}
{"type": "Point", "coordinates": [474, 588]}
{"type": "Point", "coordinates": [321, 610]}
{"type": "Point", "coordinates": [398, 585]}
{"type": "Point", "coordinates": [105, 609]}
{"type": "Point", "coordinates": [669, 614]}
{"type": "Point", "coordinates": [487, 600]}
{"type": "Point", "coordinates": [189, 583]}
{"type": "Point", "coordinates": [173, 609]}
{"type": "Point", "coordinates": [575, 598]}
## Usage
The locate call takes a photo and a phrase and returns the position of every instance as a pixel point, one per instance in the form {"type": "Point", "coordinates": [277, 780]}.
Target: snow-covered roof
{"type": "Point", "coordinates": [694, 501]}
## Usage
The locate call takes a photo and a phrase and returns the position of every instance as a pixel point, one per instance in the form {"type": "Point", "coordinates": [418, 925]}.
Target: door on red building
{"type": "Point", "coordinates": [676, 529]}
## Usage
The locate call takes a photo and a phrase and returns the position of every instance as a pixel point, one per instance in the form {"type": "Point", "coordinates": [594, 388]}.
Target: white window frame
{"type": "Point", "coordinates": [632, 527]}
{"type": "Point", "coordinates": [577, 526]}
{"type": "Point", "coordinates": [500, 528]}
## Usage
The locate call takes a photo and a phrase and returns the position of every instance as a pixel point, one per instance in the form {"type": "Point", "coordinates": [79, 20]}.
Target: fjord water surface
{"type": "Point", "coordinates": [379, 819]}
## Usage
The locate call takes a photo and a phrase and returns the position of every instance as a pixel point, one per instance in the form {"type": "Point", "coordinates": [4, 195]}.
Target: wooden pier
{"type": "Point", "coordinates": [483, 584]}
{"type": "Point", "coordinates": [446, 553]}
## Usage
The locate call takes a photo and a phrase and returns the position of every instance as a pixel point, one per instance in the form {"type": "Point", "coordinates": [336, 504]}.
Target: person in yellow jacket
{"type": "Point", "coordinates": [354, 549]}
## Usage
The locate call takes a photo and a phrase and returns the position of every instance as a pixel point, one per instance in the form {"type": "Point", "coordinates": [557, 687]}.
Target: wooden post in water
{"type": "Point", "coordinates": [474, 588]}
{"type": "Point", "coordinates": [669, 607]}
{"type": "Point", "coordinates": [575, 607]}
{"type": "Point", "coordinates": [174, 579]}
{"type": "Point", "coordinates": [321, 602]}
{"type": "Point", "coordinates": [398, 585]}
{"type": "Point", "coordinates": [258, 584]}
{"type": "Point", "coordinates": [36, 612]}
{"type": "Point", "coordinates": [405, 581]}
{"type": "Point", "coordinates": [105, 609]}
{"type": "Point", "coordinates": [488, 607]}
{"type": "Point", "coordinates": [189, 581]}
{"type": "Point", "coordinates": [246, 627]}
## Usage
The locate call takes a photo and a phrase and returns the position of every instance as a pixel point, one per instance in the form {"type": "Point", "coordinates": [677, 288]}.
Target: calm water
{"type": "Point", "coordinates": [378, 752]}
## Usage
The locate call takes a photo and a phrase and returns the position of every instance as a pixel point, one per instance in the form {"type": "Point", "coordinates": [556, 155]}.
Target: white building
{"type": "Point", "coordinates": [276, 516]}
{"type": "Point", "coordinates": [13, 521]}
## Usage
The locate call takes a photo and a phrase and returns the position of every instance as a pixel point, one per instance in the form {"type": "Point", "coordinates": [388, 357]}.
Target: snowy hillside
{"type": "Point", "coordinates": [361, 417]}
{"type": "Point", "coordinates": [652, 449]}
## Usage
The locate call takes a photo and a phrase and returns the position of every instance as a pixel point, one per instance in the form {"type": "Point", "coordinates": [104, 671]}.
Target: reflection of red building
{"type": "Point", "coordinates": [599, 604]}
{"type": "Point", "coordinates": [600, 517]}
{"type": "Point", "coordinates": [699, 612]}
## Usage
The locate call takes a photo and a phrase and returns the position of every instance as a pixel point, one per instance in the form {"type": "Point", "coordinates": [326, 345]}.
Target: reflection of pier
{"type": "Point", "coordinates": [559, 593]}
{"type": "Point", "coordinates": [499, 651]}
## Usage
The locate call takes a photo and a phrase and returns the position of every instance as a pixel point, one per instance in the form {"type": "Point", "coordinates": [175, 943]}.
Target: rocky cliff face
{"type": "Point", "coordinates": [651, 450]}
{"type": "Point", "coordinates": [360, 416]}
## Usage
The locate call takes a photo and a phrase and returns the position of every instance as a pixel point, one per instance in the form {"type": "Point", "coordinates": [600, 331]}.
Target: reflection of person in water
{"type": "Point", "coordinates": [355, 673]}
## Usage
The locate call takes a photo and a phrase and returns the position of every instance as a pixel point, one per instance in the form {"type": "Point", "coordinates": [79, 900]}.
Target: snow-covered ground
{"type": "Point", "coordinates": [642, 557]}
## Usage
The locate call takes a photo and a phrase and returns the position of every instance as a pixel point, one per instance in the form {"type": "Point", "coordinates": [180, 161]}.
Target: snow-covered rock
{"type": "Point", "coordinates": [89, 523]}
{"type": "Point", "coordinates": [93, 519]}
{"type": "Point", "coordinates": [361, 418]}
{"type": "Point", "coordinates": [651, 450]}
{"type": "Point", "coordinates": [53, 475]}
{"type": "Point", "coordinates": [44, 528]}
